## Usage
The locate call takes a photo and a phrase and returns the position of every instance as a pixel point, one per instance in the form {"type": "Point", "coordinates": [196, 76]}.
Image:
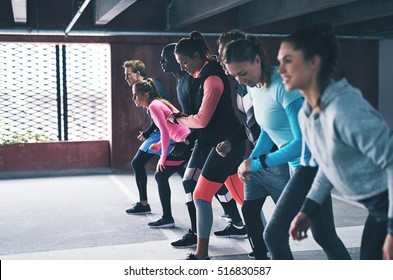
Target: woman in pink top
{"type": "Point", "coordinates": [145, 94]}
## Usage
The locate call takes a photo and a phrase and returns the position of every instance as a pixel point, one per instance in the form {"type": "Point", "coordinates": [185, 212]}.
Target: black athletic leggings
{"type": "Point", "coordinates": [375, 228]}
{"type": "Point", "coordinates": [164, 190]}
{"type": "Point", "coordinates": [255, 227]}
{"type": "Point", "coordinates": [138, 164]}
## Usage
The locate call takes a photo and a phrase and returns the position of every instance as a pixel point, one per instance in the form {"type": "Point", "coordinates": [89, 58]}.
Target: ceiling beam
{"type": "Point", "coordinates": [19, 10]}
{"type": "Point", "coordinates": [353, 13]}
{"type": "Point", "coordinates": [106, 10]}
{"type": "Point", "coordinates": [181, 13]}
{"type": "Point", "coordinates": [76, 16]}
{"type": "Point", "coordinates": [267, 11]}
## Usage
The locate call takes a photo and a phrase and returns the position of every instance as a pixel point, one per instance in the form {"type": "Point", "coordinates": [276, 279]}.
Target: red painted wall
{"type": "Point", "coordinates": [54, 156]}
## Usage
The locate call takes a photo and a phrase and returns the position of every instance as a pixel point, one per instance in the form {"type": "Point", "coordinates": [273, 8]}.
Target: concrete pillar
{"type": "Point", "coordinates": [386, 80]}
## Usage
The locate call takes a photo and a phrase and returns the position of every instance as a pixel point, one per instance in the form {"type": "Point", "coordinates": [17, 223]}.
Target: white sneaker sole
{"type": "Point", "coordinates": [138, 213]}
{"type": "Point", "coordinates": [233, 236]}
{"type": "Point", "coordinates": [184, 247]}
{"type": "Point", "coordinates": [163, 226]}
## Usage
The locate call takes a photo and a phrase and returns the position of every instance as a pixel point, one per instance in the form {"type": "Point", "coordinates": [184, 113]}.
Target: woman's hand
{"type": "Point", "coordinates": [140, 136]}
{"type": "Point", "coordinates": [155, 147]}
{"type": "Point", "coordinates": [173, 117]}
{"type": "Point", "coordinates": [388, 247]}
{"type": "Point", "coordinates": [244, 170]}
{"type": "Point", "coordinates": [299, 226]}
{"type": "Point", "coordinates": [223, 148]}
{"type": "Point", "coordinates": [160, 165]}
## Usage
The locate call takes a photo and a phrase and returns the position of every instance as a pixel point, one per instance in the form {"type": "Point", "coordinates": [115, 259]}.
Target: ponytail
{"type": "Point", "coordinates": [148, 87]}
{"type": "Point", "coordinates": [155, 93]}
{"type": "Point", "coordinates": [194, 43]}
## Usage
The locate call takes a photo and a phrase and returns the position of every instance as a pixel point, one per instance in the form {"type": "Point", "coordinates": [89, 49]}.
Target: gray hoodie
{"type": "Point", "coordinates": [352, 144]}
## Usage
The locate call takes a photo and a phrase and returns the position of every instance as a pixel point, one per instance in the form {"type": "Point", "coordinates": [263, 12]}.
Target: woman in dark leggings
{"type": "Point", "coordinates": [184, 81]}
{"type": "Point", "coordinates": [215, 120]}
{"type": "Point", "coordinates": [134, 71]}
{"type": "Point", "coordinates": [146, 95]}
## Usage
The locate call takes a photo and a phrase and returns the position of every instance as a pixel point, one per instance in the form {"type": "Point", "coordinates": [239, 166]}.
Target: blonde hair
{"type": "Point", "coordinates": [135, 65]}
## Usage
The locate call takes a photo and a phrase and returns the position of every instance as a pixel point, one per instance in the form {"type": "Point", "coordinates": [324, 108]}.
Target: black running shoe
{"type": "Point", "coordinates": [252, 256]}
{"type": "Point", "coordinates": [232, 231]}
{"type": "Point", "coordinates": [193, 257]}
{"type": "Point", "coordinates": [138, 209]}
{"type": "Point", "coordinates": [162, 223]}
{"type": "Point", "coordinates": [188, 240]}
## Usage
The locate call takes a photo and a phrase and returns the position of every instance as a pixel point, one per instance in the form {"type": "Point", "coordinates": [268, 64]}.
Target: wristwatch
{"type": "Point", "coordinates": [175, 119]}
{"type": "Point", "coordinates": [262, 159]}
{"type": "Point", "coordinates": [186, 142]}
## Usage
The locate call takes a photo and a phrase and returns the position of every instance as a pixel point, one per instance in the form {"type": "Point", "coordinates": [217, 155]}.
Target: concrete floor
{"type": "Point", "coordinates": [83, 218]}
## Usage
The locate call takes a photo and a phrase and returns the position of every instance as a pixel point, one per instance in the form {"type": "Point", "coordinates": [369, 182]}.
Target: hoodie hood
{"type": "Point", "coordinates": [332, 91]}
{"type": "Point", "coordinates": [336, 89]}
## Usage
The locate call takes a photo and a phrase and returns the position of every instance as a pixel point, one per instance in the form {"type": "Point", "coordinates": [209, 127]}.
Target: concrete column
{"type": "Point", "coordinates": [385, 102]}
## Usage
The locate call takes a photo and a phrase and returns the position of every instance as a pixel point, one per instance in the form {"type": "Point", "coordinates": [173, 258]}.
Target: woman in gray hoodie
{"type": "Point", "coordinates": [351, 142]}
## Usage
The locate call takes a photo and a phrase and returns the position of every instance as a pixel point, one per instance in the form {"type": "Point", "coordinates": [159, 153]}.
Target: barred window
{"type": "Point", "coordinates": [50, 92]}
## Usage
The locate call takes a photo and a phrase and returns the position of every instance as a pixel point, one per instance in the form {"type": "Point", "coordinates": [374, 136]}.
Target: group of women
{"type": "Point", "coordinates": [320, 141]}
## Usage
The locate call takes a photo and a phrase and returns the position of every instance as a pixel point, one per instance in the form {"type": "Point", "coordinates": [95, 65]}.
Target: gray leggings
{"type": "Point", "coordinates": [323, 229]}
{"type": "Point", "coordinates": [267, 182]}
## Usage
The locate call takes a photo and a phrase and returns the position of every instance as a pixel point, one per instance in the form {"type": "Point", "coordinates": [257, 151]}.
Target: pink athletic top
{"type": "Point", "coordinates": [159, 113]}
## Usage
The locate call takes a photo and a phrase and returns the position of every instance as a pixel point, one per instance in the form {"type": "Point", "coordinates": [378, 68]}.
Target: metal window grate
{"type": "Point", "coordinates": [50, 92]}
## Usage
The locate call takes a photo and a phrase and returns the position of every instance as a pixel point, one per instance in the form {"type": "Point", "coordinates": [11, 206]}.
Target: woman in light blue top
{"type": "Point", "coordinates": [276, 112]}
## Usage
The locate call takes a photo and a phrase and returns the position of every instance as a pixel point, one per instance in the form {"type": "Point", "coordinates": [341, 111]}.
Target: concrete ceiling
{"type": "Point", "coordinates": [355, 18]}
